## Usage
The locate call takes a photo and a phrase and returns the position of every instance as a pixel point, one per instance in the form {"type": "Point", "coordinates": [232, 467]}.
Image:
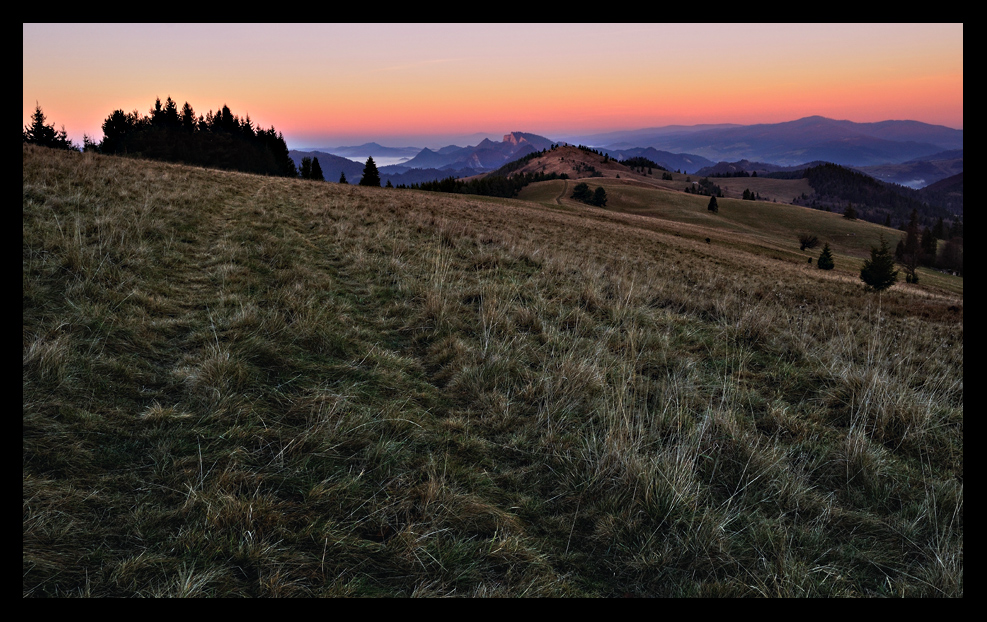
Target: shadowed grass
{"type": "Point", "coordinates": [246, 386]}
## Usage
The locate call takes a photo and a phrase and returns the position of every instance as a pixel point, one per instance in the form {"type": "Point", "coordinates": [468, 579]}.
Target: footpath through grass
{"type": "Point", "coordinates": [246, 386]}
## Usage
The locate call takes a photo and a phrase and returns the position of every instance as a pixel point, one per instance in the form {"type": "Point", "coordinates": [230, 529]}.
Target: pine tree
{"type": "Point", "coordinates": [45, 135]}
{"type": "Point", "coordinates": [317, 170]}
{"type": "Point", "coordinates": [713, 207]}
{"type": "Point", "coordinates": [306, 168]}
{"type": "Point", "coordinates": [825, 261]}
{"type": "Point", "coordinates": [342, 178]}
{"type": "Point", "coordinates": [370, 175]}
{"type": "Point", "coordinates": [878, 272]}
{"type": "Point", "coordinates": [600, 197]}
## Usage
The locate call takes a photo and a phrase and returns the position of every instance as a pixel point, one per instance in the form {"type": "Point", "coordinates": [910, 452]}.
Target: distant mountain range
{"type": "Point", "coordinates": [427, 164]}
{"type": "Point", "coordinates": [794, 142]}
{"type": "Point", "coordinates": [906, 152]}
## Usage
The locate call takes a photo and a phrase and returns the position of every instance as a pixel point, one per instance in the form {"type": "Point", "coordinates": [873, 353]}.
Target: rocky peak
{"type": "Point", "coordinates": [514, 138]}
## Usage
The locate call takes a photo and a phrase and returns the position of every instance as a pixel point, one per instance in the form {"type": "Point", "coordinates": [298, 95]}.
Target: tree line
{"type": "Point", "coordinates": [491, 185]}
{"type": "Point", "coordinates": [873, 200]}
{"type": "Point", "coordinates": [218, 140]}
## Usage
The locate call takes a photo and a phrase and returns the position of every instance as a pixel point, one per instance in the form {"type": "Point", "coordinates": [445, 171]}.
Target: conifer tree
{"type": "Point", "coordinates": [370, 175]}
{"type": "Point", "coordinates": [879, 272]}
{"type": "Point", "coordinates": [45, 135]}
{"type": "Point", "coordinates": [600, 197]}
{"type": "Point", "coordinates": [713, 207]}
{"type": "Point", "coordinates": [317, 170]}
{"type": "Point", "coordinates": [825, 261]}
{"type": "Point", "coordinates": [342, 178]}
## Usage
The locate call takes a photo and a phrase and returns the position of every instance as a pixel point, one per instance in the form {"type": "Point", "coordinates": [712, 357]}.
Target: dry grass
{"type": "Point", "coordinates": [244, 386]}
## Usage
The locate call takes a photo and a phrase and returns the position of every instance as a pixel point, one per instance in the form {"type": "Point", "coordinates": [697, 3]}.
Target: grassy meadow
{"type": "Point", "coordinates": [238, 385]}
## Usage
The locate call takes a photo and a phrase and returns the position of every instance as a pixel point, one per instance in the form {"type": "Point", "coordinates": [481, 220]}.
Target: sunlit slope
{"type": "Point", "coordinates": [759, 227]}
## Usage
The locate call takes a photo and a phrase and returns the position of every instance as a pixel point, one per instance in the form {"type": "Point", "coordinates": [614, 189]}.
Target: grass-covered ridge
{"type": "Point", "coordinates": [246, 385]}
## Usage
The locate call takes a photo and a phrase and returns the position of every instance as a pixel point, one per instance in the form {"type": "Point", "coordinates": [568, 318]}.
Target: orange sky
{"type": "Point", "coordinates": [398, 84]}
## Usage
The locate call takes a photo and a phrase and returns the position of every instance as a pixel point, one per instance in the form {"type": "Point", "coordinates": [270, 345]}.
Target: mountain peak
{"type": "Point", "coordinates": [515, 138]}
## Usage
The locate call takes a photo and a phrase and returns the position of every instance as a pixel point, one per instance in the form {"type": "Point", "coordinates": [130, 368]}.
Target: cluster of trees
{"type": "Point", "coordinates": [917, 248]}
{"type": "Point", "coordinates": [640, 163]}
{"type": "Point", "coordinates": [705, 187]}
{"type": "Point", "coordinates": [582, 193]}
{"type": "Point", "coordinates": [491, 185]}
{"type": "Point", "coordinates": [740, 173]}
{"type": "Point", "coordinates": [311, 169]}
{"type": "Point", "coordinates": [220, 140]}
{"type": "Point", "coordinates": [40, 133]}
{"type": "Point", "coordinates": [920, 247]}
{"type": "Point", "coordinates": [751, 196]}
{"type": "Point", "coordinates": [875, 201]}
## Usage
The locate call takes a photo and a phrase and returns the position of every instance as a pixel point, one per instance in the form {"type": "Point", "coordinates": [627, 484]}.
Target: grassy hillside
{"type": "Point", "coordinates": [238, 385]}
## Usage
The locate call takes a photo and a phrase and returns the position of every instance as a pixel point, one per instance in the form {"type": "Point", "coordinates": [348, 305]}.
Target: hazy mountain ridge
{"type": "Point", "coordinates": [909, 153]}
{"type": "Point", "coordinates": [794, 142]}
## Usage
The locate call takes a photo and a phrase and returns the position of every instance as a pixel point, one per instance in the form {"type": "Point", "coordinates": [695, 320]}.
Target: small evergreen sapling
{"type": "Point", "coordinates": [825, 261]}
{"type": "Point", "coordinates": [879, 272]}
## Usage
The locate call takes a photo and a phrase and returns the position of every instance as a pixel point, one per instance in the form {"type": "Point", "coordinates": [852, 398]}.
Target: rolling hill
{"type": "Point", "coordinates": [242, 385]}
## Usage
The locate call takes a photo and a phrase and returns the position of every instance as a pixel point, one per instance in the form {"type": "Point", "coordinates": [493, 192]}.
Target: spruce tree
{"type": "Point", "coordinates": [45, 135]}
{"type": "Point", "coordinates": [713, 207]}
{"type": "Point", "coordinates": [370, 175]}
{"type": "Point", "coordinates": [825, 261]}
{"type": "Point", "coordinates": [600, 197]}
{"type": "Point", "coordinates": [342, 178]}
{"type": "Point", "coordinates": [879, 272]}
{"type": "Point", "coordinates": [317, 170]}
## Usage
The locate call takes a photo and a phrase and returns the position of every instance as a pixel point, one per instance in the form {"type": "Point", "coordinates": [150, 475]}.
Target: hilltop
{"type": "Point", "coordinates": [249, 385]}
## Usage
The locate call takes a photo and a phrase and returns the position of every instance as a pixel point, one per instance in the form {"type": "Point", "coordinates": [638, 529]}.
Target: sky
{"type": "Point", "coordinates": [324, 85]}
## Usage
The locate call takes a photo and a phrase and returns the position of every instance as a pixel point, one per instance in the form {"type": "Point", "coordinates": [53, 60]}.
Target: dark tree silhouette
{"type": "Point", "coordinates": [713, 207]}
{"type": "Point", "coordinates": [879, 272]}
{"type": "Point", "coordinates": [582, 192]}
{"type": "Point", "coordinates": [825, 261]}
{"type": "Point", "coordinates": [317, 170]}
{"type": "Point", "coordinates": [370, 175]}
{"type": "Point", "coordinates": [220, 141]}
{"type": "Point", "coordinates": [45, 135]}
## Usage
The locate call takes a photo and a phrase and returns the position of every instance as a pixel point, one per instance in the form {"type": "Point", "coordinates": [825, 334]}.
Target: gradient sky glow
{"type": "Point", "coordinates": [327, 85]}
